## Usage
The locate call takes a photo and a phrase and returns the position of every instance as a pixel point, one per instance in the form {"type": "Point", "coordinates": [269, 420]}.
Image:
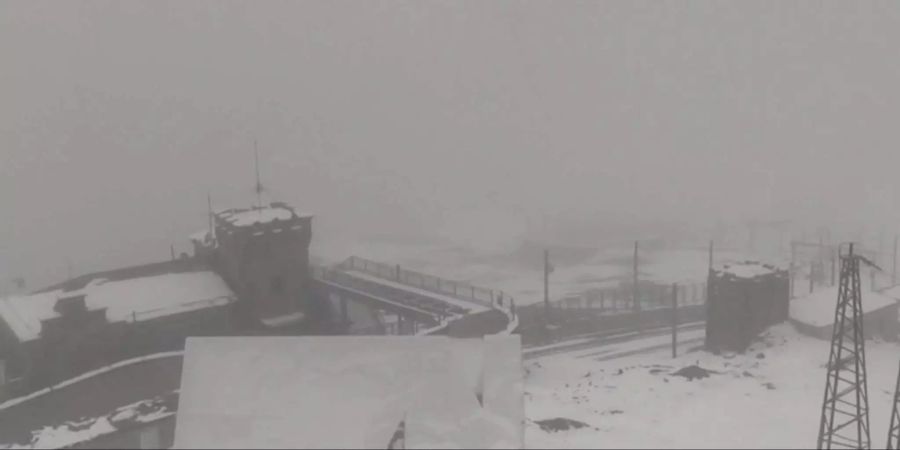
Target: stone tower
{"type": "Point", "coordinates": [263, 253]}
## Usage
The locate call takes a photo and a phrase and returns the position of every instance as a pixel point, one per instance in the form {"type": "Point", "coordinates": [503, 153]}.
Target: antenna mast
{"type": "Point", "coordinates": [259, 187]}
{"type": "Point", "coordinates": [212, 228]}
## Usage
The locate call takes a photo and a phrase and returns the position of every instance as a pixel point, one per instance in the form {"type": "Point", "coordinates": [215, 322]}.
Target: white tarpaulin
{"type": "Point", "coordinates": [350, 392]}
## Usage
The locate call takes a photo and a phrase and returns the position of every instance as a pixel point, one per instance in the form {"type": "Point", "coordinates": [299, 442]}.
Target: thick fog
{"type": "Point", "coordinates": [467, 120]}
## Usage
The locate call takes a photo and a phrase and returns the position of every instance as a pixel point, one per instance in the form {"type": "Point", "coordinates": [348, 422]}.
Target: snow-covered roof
{"type": "Point", "coordinates": [203, 236]}
{"type": "Point", "coordinates": [818, 308]}
{"type": "Point", "coordinates": [253, 216]}
{"type": "Point", "coordinates": [124, 300]}
{"type": "Point", "coordinates": [747, 269]}
{"type": "Point", "coordinates": [279, 392]}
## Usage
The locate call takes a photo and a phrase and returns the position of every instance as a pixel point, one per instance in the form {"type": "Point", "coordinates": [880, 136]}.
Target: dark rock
{"type": "Point", "coordinates": [693, 371]}
{"type": "Point", "coordinates": [560, 424]}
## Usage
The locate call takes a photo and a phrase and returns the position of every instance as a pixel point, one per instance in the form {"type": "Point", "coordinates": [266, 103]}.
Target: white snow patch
{"type": "Point", "coordinates": [63, 435]}
{"type": "Point", "coordinates": [283, 320]}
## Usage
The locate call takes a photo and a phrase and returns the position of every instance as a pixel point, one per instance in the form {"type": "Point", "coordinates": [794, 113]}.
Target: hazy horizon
{"type": "Point", "coordinates": [462, 120]}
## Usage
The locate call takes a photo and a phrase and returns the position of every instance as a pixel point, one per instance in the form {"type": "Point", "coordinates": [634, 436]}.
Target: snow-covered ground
{"type": "Point", "coordinates": [769, 397]}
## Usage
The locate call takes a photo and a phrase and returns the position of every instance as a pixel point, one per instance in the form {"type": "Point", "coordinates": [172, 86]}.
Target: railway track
{"type": "Point", "coordinates": [604, 339]}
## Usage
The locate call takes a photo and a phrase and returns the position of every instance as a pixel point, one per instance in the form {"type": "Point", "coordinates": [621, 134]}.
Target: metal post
{"type": "Point", "coordinates": [791, 268]}
{"type": "Point", "coordinates": [894, 270]}
{"type": "Point", "coordinates": [833, 265]}
{"type": "Point", "coordinates": [811, 278]}
{"type": "Point", "coordinates": [894, 429]}
{"type": "Point", "coordinates": [674, 320]}
{"type": "Point", "coordinates": [547, 283]}
{"type": "Point", "coordinates": [636, 304]}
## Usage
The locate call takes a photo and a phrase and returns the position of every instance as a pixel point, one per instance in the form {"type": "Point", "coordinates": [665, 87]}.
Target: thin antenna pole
{"type": "Point", "coordinates": [258, 183]}
{"type": "Point", "coordinates": [209, 210]}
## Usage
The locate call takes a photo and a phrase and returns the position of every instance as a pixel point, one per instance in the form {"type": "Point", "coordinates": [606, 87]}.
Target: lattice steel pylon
{"type": "Point", "coordinates": [894, 430]}
{"type": "Point", "coordinates": [845, 410]}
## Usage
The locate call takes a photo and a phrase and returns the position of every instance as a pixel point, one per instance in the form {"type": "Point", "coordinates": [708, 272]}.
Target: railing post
{"type": "Point", "coordinates": [674, 320]}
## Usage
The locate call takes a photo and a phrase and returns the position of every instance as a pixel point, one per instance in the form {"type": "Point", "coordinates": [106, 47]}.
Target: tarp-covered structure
{"type": "Point", "coordinates": [351, 392]}
{"type": "Point", "coordinates": [813, 315]}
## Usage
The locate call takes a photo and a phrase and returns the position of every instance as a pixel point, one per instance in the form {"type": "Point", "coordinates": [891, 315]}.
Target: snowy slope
{"type": "Point", "coordinates": [769, 397]}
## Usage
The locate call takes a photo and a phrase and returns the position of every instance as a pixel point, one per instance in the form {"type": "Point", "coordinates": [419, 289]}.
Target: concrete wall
{"type": "Point", "coordinates": [131, 438]}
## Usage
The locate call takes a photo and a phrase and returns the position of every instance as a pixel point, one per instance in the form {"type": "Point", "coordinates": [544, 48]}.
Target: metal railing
{"type": "Point", "coordinates": [490, 298]}
{"type": "Point", "coordinates": [616, 300]}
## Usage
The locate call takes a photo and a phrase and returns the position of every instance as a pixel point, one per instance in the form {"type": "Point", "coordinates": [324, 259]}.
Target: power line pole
{"type": "Point", "coordinates": [259, 187]}
{"type": "Point", "coordinates": [547, 269]}
{"type": "Point", "coordinates": [846, 390]}
{"type": "Point", "coordinates": [636, 304]}
{"type": "Point", "coordinates": [674, 320]}
{"type": "Point", "coordinates": [893, 440]}
{"type": "Point", "coordinates": [791, 268]}
{"type": "Point", "coordinates": [894, 268]}
{"type": "Point", "coordinates": [209, 211]}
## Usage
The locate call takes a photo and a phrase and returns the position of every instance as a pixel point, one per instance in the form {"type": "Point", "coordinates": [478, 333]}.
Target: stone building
{"type": "Point", "coordinates": [743, 300]}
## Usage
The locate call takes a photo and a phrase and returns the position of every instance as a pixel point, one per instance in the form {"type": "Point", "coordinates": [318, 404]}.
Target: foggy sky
{"type": "Point", "coordinates": [117, 118]}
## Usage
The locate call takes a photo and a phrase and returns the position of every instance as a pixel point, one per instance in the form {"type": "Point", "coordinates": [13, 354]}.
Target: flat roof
{"type": "Point", "coordinates": [266, 214]}
{"type": "Point", "coordinates": [747, 269]}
